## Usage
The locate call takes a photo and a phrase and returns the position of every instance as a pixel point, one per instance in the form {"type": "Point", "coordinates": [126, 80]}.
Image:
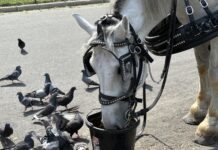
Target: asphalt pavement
{"type": "Point", "coordinates": [54, 43]}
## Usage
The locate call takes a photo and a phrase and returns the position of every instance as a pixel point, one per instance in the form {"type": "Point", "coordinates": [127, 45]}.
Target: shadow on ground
{"type": "Point", "coordinates": [20, 84]}
{"type": "Point", "coordinates": [24, 52]}
{"type": "Point", "coordinates": [31, 112]}
{"type": "Point", "coordinates": [90, 90]}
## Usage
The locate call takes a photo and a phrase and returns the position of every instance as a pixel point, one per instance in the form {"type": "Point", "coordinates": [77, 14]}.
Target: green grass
{"type": "Point", "coordinates": [21, 2]}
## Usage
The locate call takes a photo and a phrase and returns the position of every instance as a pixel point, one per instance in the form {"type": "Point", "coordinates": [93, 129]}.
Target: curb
{"type": "Point", "coordinates": [49, 5]}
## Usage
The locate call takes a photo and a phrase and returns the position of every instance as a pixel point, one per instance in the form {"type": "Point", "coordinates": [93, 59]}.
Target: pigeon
{"type": "Point", "coordinates": [21, 44]}
{"type": "Point", "coordinates": [41, 93]}
{"type": "Point", "coordinates": [27, 102]}
{"type": "Point", "coordinates": [53, 140]}
{"type": "Point", "coordinates": [49, 109]}
{"type": "Point", "coordinates": [88, 81]}
{"type": "Point", "coordinates": [74, 125]}
{"type": "Point", "coordinates": [50, 141]}
{"type": "Point", "coordinates": [7, 131]}
{"type": "Point", "coordinates": [27, 144]}
{"type": "Point", "coordinates": [71, 126]}
{"type": "Point", "coordinates": [66, 99]}
{"type": "Point", "coordinates": [52, 88]}
{"type": "Point", "coordinates": [14, 75]}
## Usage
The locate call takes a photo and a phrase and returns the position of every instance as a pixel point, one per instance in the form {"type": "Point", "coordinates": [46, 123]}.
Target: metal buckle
{"type": "Point", "coordinates": [135, 50]}
{"type": "Point", "coordinates": [139, 41]}
{"type": "Point", "coordinates": [204, 3]}
{"type": "Point", "coordinates": [189, 10]}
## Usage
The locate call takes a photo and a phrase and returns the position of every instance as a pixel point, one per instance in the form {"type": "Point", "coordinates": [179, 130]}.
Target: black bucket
{"type": "Point", "coordinates": [103, 139]}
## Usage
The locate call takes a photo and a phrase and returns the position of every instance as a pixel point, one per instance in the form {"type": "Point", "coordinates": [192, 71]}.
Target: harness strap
{"type": "Point", "coordinates": [204, 5]}
{"type": "Point", "coordinates": [139, 134]}
{"type": "Point", "coordinates": [189, 11]}
{"type": "Point", "coordinates": [143, 53]}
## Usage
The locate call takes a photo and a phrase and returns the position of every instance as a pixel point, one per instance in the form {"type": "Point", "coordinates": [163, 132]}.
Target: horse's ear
{"type": "Point", "coordinates": [125, 23]}
{"type": "Point", "coordinates": [122, 30]}
{"type": "Point", "coordinates": [84, 24]}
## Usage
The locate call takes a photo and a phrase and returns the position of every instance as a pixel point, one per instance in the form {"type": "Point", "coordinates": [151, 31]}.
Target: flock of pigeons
{"type": "Point", "coordinates": [56, 123]}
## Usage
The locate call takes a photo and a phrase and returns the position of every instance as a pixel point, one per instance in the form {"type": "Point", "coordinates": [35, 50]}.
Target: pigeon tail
{"type": "Point", "coordinates": [61, 92]}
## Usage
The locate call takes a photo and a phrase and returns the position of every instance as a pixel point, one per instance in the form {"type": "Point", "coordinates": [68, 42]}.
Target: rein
{"type": "Point", "coordinates": [172, 28]}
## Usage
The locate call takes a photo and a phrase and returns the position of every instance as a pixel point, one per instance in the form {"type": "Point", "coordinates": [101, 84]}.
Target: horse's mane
{"type": "Point", "coordinates": [153, 7]}
{"type": "Point", "coordinates": [117, 5]}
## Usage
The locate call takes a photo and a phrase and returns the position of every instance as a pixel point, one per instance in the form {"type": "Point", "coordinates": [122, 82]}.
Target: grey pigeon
{"type": "Point", "coordinates": [49, 141]}
{"type": "Point", "coordinates": [28, 102]}
{"type": "Point", "coordinates": [88, 81]}
{"type": "Point", "coordinates": [49, 109]}
{"type": "Point", "coordinates": [52, 89]}
{"type": "Point", "coordinates": [53, 140]}
{"type": "Point", "coordinates": [21, 45]}
{"type": "Point", "coordinates": [66, 99]}
{"type": "Point", "coordinates": [14, 75]}
{"type": "Point", "coordinates": [71, 126]}
{"type": "Point", "coordinates": [26, 144]}
{"type": "Point", "coordinates": [41, 93]}
{"type": "Point", "coordinates": [7, 131]}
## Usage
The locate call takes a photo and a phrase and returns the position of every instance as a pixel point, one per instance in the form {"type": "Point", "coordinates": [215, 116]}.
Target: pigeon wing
{"type": "Point", "coordinates": [46, 111]}
{"type": "Point", "coordinates": [26, 102]}
{"type": "Point", "coordinates": [15, 75]}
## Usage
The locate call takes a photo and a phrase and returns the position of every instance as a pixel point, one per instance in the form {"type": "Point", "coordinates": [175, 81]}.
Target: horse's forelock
{"type": "Point", "coordinates": [108, 38]}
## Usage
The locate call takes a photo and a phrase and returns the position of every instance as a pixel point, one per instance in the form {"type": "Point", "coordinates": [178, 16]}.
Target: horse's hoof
{"type": "Point", "coordinates": [205, 141]}
{"type": "Point", "coordinates": [190, 119]}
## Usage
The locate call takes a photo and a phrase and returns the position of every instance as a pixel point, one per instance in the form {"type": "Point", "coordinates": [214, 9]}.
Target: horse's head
{"type": "Point", "coordinates": [110, 60]}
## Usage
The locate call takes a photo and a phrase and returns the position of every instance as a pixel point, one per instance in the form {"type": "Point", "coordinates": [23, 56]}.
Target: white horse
{"type": "Point", "coordinates": [143, 15]}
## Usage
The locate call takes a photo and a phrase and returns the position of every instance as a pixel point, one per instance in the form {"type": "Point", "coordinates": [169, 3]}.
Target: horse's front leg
{"type": "Point", "coordinates": [199, 109]}
{"type": "Point", "coordinates": [208, 128]}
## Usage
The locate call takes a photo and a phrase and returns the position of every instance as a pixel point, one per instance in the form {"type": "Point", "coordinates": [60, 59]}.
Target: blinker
{"type": "Point", "coordinates": [89, 71]}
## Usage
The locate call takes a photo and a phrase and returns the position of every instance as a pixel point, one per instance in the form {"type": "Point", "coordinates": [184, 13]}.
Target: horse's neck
{"type": "Point", "coordinates": [144, 14]}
